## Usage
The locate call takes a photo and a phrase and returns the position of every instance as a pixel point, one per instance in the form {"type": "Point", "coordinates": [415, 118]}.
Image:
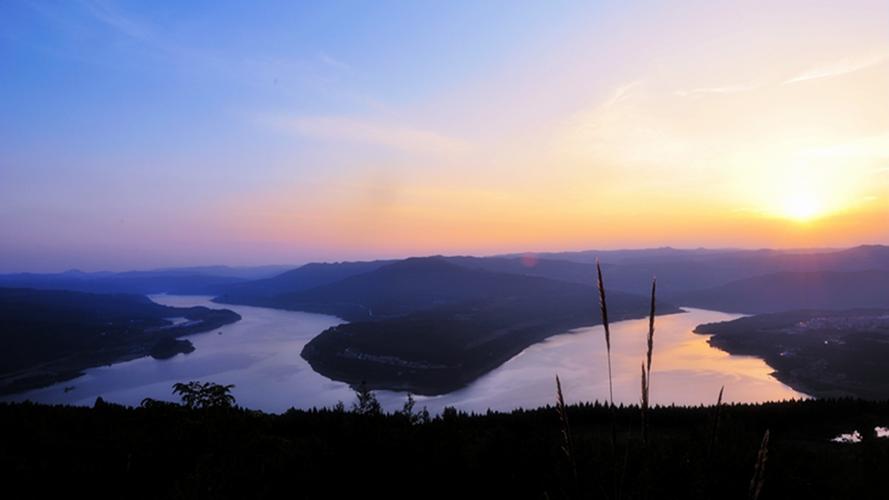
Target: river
{"type": "Point", "coordinates": [260, 356]}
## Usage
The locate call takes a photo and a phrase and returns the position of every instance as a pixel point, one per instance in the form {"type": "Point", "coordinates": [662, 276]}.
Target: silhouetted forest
{"type": "Point", "coordinates": [48, 336]}
{"type": "Point", "coordinates": [823, 353]}
{"type": "Point", "coordinates": [164, 450]}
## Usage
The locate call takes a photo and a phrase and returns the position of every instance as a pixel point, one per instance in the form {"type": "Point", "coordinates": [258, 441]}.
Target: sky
{"type": "Point", "coordinates": [153, 134]}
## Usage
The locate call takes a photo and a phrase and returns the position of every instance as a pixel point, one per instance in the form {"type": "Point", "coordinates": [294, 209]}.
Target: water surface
{"type": "Point", "coordinates": [685, 369]}
{"type": "Point", "coordinates": [260, 355]}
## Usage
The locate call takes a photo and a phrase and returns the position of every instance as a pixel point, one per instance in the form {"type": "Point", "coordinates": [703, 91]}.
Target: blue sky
{"type": "Point", "coordinates": [142, 134]}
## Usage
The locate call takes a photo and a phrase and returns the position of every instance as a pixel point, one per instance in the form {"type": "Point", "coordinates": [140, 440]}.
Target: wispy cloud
{"type": "Point", "coordinates": [872, 146]}
{"type": "Point", "coordinates": [333, 62]}
{"type": "Point", "coordinates": [115, 19]}
{"type": "Point", "coordinates": [621, 94]}
{"type": "Point", "coordinates": [725, 89]}
{"type": "Point", "coordinates": [151, 37]}
{"type": "Point", "coordinates": [362, 131]}
{"type": "Point", "coordinates": [319, 73]}
{"type": "Point", "coordinates": [840, 67]}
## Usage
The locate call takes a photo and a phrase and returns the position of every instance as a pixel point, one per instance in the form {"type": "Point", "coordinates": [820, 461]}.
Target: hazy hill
{"type": "Point", "coordinates": [259, 292]}
{"type": "Point", "coordinates": [206, 280]}
{"type": "Point", "coordinates": [137, 282]}
{"type": "Point", "coordinates": [702, 269]}
{"type": "Point", "coordinates": [624, 256]}
{"type": "Point", "coordinates": [240, 272]}
{"type": "Point", "coordinates": [575, 272]}
{"type": "Point", "coordinates": [411, 285]}
{"type": "Point", "coordinates": [794, 290]}
{"type": "Point", "coordinates": [627, 270]}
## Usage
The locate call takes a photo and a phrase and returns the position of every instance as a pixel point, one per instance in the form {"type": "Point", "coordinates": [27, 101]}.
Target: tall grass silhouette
{"type": "Point", "coordinates": [714, 433]}
{"type": "Point", "coordinates": [760, 468]}
{"type": "Point", "coordinates": [646, 366]}
{"type": "Point", "coordinates": [567, 441]}
{"type": "Point", "coordinates": [618, 474]}
{"type": "Point", "coordinates": [603, 308]}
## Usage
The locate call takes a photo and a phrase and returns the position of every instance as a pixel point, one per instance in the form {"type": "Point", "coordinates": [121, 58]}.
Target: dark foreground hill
{"type": "Point", "coordinates": [167, 451]}
{"type": "Point", "coordinates": [49, 335]}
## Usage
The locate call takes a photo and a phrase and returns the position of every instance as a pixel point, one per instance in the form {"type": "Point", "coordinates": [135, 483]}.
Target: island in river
{"type": "Point", "coordinates": [48, 336]}
{"type": "Point", "coordinates": [430, 327]}
{"type": "Point", "coordinates": [825, 353]}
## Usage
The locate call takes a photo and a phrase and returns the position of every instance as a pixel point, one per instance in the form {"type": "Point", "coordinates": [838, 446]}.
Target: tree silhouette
{"type": "Point", "coordinates": [199, 395]}
{"type": "Point", "coordinates": [367, 403]}
{"type": "Point", "coordinates": [414, 417]}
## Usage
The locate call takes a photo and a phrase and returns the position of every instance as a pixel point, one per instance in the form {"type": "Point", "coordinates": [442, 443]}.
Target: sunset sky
{"type": "Point", "coordinates": [150, 134]}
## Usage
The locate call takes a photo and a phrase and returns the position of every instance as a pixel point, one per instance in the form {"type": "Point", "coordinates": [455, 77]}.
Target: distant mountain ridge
{"type": "Point", "coordinates": [772, 293]}
{"type": "Point", "coordinates": [692, 276]}
{"type": "Point", "coordinates": [205, 280]}
{"type": "Point", "coordinates": [302, 278]}
{"type": "Point", "coordinates": [679, 272]}
{"type": "Point", "coordinates": [415, 284]}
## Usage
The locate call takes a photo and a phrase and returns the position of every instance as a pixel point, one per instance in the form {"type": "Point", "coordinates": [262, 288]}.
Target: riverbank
{"type": "Point", "coordinates": [830, 353]}
{"type": "Point", "coordinates": [53, 336]}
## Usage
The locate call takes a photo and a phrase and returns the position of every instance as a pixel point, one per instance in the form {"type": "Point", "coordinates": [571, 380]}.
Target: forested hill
{"type": "Point", "coordinates": [430, 327]}
{"type": "Point", "coordinates": [824, 353]}
{"type": "Point", "coordinates": [52, 335]}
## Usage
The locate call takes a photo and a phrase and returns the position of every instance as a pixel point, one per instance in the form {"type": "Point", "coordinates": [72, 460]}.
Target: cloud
{"type": "Point", "coordinates": [871, 147]}
{"type": "Point", "coordinates": [725, 89]}
{"type": "Point", "coordinates": [837, 68]}
{"type": "Point", "coordinates": [361, 131]}
{"type": "Point", "coordinates": [333, 62]}
{"type": "Point", "coordinates": [126, 25]}
{"type": "Point", "coordinates": [316, 72]}
{"type": "Point", "coordinates": [621, 94]}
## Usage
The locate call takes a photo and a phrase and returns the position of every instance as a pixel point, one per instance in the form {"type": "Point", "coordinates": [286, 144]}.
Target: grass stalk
{"type": "Point", "coordinates": [567, 441]}
{"type": "Point", "coordinates": [644, 405]}
{"type": "Point", "coordinates": [714, 433]}
{"type": "Point", "coordinates": [646, 367]}
{"type": "Point", "coordinates": [603, 308]}
{"type": "Point", "coordinates": [760, 468]}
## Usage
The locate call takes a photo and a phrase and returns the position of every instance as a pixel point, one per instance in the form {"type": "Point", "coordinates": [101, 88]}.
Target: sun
{"type": "Point", "coordinates": [802, 206]}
